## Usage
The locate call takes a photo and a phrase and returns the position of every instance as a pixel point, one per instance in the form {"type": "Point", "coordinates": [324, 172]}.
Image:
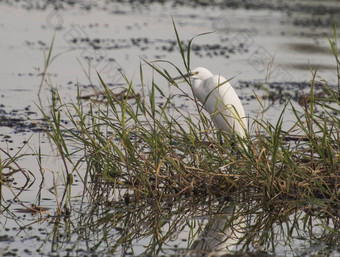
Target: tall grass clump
{"type": "Point", "coordinates": [136, 143]}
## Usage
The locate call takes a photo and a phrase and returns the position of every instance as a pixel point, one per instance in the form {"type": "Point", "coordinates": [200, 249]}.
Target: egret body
{"type": "Point", "coordinates": [220, 100]}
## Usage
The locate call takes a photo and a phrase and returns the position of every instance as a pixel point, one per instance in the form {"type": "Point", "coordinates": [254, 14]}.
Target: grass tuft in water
{"type": "Point", "coordinates": [160, 150]}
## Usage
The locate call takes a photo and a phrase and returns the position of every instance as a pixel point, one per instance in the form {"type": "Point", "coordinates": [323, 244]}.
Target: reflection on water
{"type": "Point", "coordinates": [119, 224]}
{"type": "Point", "coordinates": [222, 233]}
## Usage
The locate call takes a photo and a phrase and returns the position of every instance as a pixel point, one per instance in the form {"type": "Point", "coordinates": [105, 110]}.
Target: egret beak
{"type": "Point", "coordinates": [188, 75]}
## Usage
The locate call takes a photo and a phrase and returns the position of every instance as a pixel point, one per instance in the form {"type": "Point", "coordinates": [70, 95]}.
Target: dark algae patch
{"type": "Point", "coordinates": [18, 120]}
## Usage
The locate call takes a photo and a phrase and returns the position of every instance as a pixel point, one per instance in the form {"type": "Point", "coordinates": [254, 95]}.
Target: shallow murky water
{"type": "Point", "coordinates": [248, 35]}
{"type": "Point", "coordinates": [116, 36]}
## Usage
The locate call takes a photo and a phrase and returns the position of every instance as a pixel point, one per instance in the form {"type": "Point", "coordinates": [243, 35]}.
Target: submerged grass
{"type": "Point", "coordinates": [161, 150]}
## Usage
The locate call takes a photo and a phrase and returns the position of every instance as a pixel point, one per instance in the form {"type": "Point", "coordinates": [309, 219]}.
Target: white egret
{"type": "Point", "coordinates": [220, 100]}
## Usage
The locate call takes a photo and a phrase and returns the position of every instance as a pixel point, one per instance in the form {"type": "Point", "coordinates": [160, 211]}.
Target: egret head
{"type": "Point", "coordinates": [199, 76]}
{"type": "Point", "coordinates": [200, 73]}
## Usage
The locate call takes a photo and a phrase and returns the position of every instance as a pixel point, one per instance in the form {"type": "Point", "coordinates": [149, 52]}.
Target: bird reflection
{"type": "Point", "coordinates": [221, 234]}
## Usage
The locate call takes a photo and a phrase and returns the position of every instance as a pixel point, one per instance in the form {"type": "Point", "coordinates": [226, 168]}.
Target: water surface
{"type": "Point", "coordinates": [112, 37]}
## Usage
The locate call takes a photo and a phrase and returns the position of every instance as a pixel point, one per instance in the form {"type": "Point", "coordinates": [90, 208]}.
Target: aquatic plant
{"type": "Point", "coordinates": [158, 150]}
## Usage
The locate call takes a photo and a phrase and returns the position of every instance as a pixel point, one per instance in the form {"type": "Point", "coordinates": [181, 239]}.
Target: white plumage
{"type": "Point", "coordinates": [220, 100]}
